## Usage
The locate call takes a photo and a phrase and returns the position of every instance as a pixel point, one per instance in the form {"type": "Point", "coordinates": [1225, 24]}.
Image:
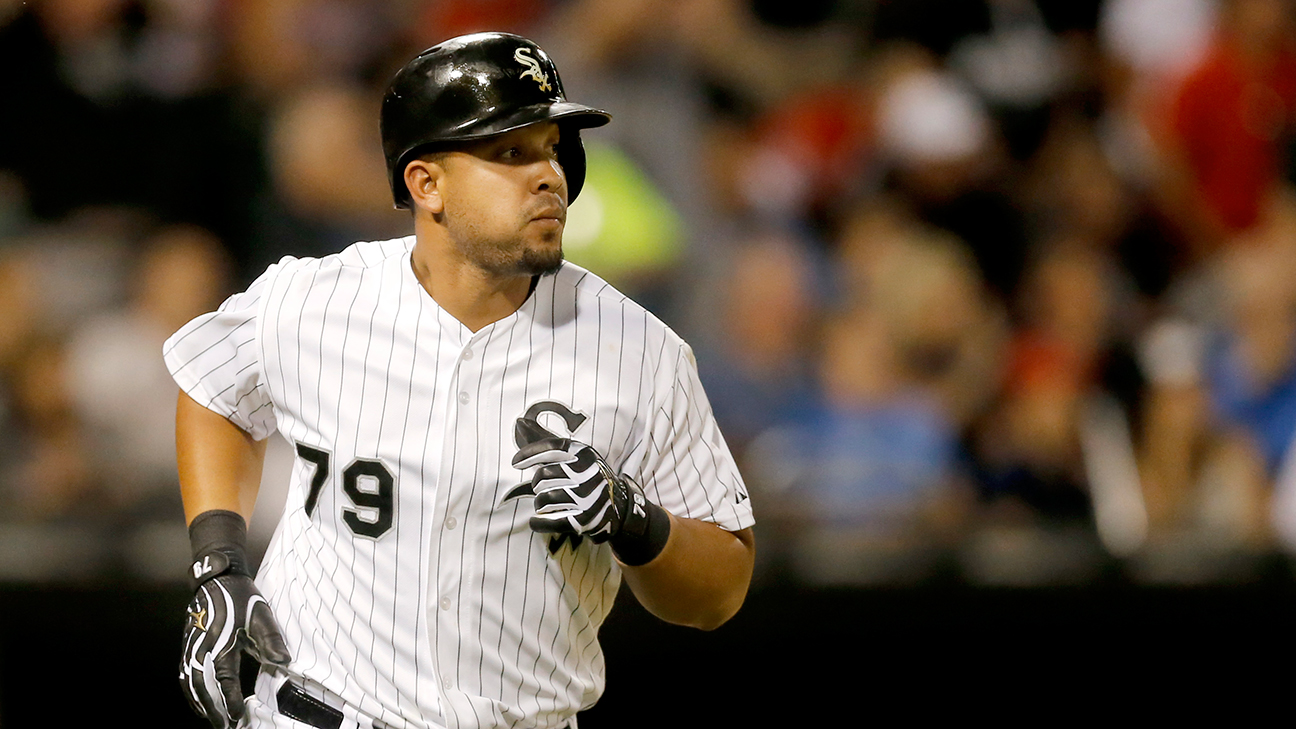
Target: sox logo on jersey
{"type": "Point", "coordinates": [572, 421]}
{"type": "Point", "coordinates": [408, 583]}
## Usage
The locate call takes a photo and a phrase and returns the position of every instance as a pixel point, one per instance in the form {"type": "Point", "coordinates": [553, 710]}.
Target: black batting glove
{"type": "Point", "coordinates": [578, 494]}
{"type": "Point", "coordinates": [226, 616]}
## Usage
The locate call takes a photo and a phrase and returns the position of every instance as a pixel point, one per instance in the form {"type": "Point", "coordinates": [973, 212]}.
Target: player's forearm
{"type": "Point", "coordinates": [219, 464]}
{"type": "Point", "coordinates": [700, 579]}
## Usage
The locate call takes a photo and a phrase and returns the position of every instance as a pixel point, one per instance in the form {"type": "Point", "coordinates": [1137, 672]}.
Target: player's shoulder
{"type": "Point", "coordinates": [372, 254]}
{"type": "Point", "coordinates": [587, 290]}
{"type": "Point", "coordinates": [294, 274]}
{"type": "Point", "coordinates": [365, 254]}
{"type": "Point", "coordinates": [585, 284]}
{"type": "Point", "coordinates": [594, 297]}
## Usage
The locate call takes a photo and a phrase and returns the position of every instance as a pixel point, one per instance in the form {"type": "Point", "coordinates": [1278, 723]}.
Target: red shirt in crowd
{"type": "Point", "coordinates": [1231, 117]}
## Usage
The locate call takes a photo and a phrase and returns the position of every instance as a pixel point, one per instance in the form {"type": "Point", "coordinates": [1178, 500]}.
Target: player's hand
{"type": "Point", "coordinates": [226, 616]}
{"type": "Point", "coordinates": [578, 494]}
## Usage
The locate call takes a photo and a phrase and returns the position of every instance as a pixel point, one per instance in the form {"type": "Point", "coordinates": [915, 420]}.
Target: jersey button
{"type": "Point", "coordinates": [451, 523]}
{"type": "Point", "coordinates": [467, 354]}
{"type": "Point", "coordinates": [445, 603]}
{"type": "Point", "coordinates": [463, 398]}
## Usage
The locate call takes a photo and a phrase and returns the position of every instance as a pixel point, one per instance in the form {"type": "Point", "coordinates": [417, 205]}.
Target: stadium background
{"type": "Point", "coordinates": [993, 300]}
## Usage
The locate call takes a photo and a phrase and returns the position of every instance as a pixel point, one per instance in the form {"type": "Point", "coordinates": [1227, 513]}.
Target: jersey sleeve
{"type": "Point", "coordinates": [688, 468]}
{"type": "Point", "coordinates": [215, 359]}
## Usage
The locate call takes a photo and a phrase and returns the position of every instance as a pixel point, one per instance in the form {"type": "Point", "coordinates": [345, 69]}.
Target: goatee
{"type": "Point", "coordinates": [540, 263]}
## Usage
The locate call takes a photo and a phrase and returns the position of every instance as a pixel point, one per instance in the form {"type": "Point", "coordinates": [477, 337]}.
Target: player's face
{"type": "Point", "coordinates": [506, 201]}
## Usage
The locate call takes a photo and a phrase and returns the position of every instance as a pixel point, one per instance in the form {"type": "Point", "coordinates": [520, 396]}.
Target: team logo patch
{"type": "Point", "coordinates": [533, 71]}
{"type": "Point", "coordinates": [572, 421]}
{"type": "Point", "coordinates": [570, 418]}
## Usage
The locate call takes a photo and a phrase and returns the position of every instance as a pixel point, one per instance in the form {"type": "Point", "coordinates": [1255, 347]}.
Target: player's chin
{"type": "Point", "coordinates": [541, 261]}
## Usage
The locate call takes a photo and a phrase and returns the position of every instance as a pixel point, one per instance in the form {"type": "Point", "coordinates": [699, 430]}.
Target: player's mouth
{"type": "Point", "coordinates": [550, 214]}
{"type": "Point", "coordinates": [548, 221]}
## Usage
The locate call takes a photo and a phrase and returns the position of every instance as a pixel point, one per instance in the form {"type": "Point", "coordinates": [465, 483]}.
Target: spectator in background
{"type": "Point", "coordinates": [756, 369]}
{"type": "Point", "coordinates": [53, 476]}
{"type": "Point", "coordinates": [946, 327]}
{"type": "Point", "coordinates": [13, 205]}
{"type": "Point", "coordinates": [1074, 191]}
{"type": "Point", "coordinates": [941, 147]}
{"type": "Point", "coordinates": [1222, 402]}
{"type": "Point", "coordinates": [819, 145]}
{"type": "Point", "coordinates": [18, 305]}
{"type": "Point", "coordinates": [1252, 370]}
{"type": "Point", "coordinates": [879, 449]}
{"type": "Point", "coordinates": [1027, 449]}
{"type": "Point", "coordinates": [117, 383]}
{"type": "Point", "coordinates": [278, 47]}
{"type": "Point", "coordinates": [628, 57]}
{"type": "Point", "coordinates": [864, 479]}
{"type": "Point", "coordinates": [441, 19]}
{"type": "Point", "coordinates": [72, 64]}
{"type": "Point", "coordinates": [52, 277]}
{"type": "Point", "coordinates": [17, 328]}
{"type": "Point", "coordinates": [699, 58]}
{"type": "Point", "coordinates": [870, 461]}
{"type": "Point", "coordinates": [329, 179]}
{"type": "Point", "coordinates": [811, 94]}
{"type": "Point", "coordinates": [130, 93]}
{"type": "Point", "coordinates": [1225, 140]}
{"type": "Point", "coordinates": [1146, 47]}
{"type": "Point", "coordinates": [1019, 67]}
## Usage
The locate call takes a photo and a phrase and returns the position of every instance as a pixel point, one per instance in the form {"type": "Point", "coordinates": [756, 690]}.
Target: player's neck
{"type": "Point", "coordinates": [473, 296]}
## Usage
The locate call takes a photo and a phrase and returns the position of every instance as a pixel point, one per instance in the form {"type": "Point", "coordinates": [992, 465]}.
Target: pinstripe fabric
{"type": "Point", "coordinates": [456, 614]}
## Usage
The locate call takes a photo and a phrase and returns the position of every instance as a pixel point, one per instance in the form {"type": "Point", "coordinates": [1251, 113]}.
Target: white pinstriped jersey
{"type": "Point", "coordinates": [403, 572]}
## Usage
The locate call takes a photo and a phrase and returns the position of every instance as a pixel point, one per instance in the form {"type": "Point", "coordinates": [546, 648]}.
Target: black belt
{"type": "Point", "coordinates": [295, 703]}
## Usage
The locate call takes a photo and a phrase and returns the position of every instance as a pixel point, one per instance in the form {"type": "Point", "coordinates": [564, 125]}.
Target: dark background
{"type": "Point", "coordinates": [794, 656]}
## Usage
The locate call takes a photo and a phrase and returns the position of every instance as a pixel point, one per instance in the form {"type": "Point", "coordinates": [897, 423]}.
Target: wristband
{"type": "Point", "coordinates": [644, 531]}
{"type": "Point", "coordinates": [218, 539]}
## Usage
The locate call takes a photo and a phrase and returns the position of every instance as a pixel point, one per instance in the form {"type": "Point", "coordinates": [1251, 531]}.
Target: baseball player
{"type": "Point", "coordinates": [488, 439]}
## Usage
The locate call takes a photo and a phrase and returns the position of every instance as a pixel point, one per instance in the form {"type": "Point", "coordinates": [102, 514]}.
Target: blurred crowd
{"type": "Point", "coordinates": [998, 289]}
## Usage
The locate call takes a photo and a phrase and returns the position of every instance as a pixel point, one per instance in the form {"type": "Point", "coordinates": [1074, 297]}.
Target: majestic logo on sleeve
{"type": "Point", "coordinates": [533, 71]}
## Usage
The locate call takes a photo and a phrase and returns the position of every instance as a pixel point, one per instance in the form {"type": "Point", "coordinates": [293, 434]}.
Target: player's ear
{"type": "Point", "coordinates": [423, 179]}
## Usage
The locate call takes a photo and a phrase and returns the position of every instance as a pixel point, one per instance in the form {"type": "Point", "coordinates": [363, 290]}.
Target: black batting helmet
{"type": "Point", "coordinates": [477, 86]}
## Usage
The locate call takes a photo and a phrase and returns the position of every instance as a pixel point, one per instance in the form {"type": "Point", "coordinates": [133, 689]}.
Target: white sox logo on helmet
{"type": "Point", "coordinates": [533, 69]}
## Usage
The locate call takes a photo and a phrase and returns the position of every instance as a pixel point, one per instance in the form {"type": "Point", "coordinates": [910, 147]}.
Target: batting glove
{"type": "Point", "coordinates": [579, 495]}
{"type": "Point", "coordinates": [226, 616]}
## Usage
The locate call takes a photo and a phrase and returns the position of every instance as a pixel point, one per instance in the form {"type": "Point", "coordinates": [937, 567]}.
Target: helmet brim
{"type": "Point", "coordinates": [577, 116]}
{"type": "Point", "coordinates": [573, 116]}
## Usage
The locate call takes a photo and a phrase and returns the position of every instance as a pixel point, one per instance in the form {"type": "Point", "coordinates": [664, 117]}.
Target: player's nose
{"type": "Point", "coordinates": [549, 177]}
